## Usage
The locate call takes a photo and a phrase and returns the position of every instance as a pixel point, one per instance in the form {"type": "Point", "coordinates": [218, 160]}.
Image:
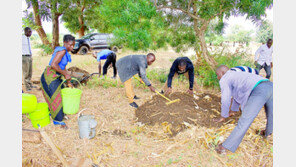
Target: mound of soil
{"type": "Point", "coordinates": [78, 74]}
{"type": "Point", "coordinates": [200, 109]}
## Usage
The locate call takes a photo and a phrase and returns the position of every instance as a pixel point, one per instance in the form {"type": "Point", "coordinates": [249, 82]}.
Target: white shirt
{"type": "Point", "coordinates": [265, 55]}
{"type": "Point", "coordinates": [26, 48]}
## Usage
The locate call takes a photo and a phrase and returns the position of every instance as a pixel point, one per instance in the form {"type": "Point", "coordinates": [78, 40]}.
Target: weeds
{"type": "Point", "coordinates": [105, 82]}
{"type": "Point", "coordinates": [207, 77]}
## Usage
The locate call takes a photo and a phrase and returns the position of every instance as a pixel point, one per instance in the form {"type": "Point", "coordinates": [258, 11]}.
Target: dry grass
{"type": "Point", "coordinates": [138, 145]}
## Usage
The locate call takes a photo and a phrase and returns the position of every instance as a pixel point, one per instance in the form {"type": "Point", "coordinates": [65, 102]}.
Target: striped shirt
{"type": "Point", "coordinates": [245, 69]}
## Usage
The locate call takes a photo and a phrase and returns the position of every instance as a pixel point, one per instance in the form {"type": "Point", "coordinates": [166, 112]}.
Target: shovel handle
{"type": "Point", "coordinates": [155, 90]}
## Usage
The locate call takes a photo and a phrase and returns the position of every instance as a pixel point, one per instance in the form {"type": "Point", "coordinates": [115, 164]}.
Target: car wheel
{"type": "Point", "coordinates": [114, 48]}
{"type": "Point", "coordinates": [83, 50]}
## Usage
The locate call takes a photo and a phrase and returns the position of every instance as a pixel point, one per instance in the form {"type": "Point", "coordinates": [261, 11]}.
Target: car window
{"type": "Point", "coordinates": [96, 36]}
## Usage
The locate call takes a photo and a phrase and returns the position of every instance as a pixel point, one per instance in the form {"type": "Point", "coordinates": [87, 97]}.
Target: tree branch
{"type": "Point", "coordinates": [180, 9]}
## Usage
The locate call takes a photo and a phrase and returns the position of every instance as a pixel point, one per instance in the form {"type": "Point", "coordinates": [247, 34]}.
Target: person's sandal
{"type": "Point", "coordinates": [261, 133]}
{"type": "Point", "coordinates": [63, 124]}
{"type": "Point", "coordinates": [220, 149]}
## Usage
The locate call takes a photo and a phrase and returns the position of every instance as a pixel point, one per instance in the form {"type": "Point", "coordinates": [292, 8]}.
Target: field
{"type": "Point", "coordinates": [122, 141]}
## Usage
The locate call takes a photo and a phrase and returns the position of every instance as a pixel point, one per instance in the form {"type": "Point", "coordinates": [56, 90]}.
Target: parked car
{"type": "Point", "coordinates": [93, 41]}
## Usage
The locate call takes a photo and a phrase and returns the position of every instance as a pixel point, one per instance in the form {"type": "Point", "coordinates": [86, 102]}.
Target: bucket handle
{"type": "Point", "coordinates": [72, 79]}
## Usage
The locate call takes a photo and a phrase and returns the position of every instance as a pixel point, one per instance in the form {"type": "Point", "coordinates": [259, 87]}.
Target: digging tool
{"type": "Point", "coordinates": [167, 103]}
{"type": "Point", "coordinates": [86, 77]}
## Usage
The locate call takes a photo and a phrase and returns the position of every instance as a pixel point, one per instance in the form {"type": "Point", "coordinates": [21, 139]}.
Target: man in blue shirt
{"type": "Point", "coordinates": [110, 58]}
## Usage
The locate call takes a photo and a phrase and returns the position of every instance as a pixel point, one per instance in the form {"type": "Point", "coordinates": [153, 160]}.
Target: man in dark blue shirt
{"type": "Point", "coordinates": [182, 65]}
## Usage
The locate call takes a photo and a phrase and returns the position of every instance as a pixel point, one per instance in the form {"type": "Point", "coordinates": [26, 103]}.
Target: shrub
{"type": "Point", "coordinates": [208, 78]}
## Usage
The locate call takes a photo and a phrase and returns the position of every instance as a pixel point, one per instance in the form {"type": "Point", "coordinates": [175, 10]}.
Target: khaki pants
{"type": "Point", "coordinates": [27, 71]}
{"type": "Point", "coordinates": [129, 90]}
{"type": "Point", "coordinates": [195, 86]}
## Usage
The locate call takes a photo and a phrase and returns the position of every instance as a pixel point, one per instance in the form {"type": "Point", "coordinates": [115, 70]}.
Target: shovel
{"type": "Point", "coordinates": [169, 101]}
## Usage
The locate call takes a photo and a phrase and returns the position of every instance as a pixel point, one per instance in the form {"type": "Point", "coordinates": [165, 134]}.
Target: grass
{"type": "Point", "coordinates": [104, 82]}
{"type": "Point", "coordinates": [208, 78]}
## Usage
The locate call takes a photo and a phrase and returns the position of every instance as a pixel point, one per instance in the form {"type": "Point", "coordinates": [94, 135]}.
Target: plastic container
{"type": "Point", "coordinates": [71, 100]}
{"type": "Point", "coordinates": [40, 116]}
{"type": "Point", "coordinates": [29, 103]}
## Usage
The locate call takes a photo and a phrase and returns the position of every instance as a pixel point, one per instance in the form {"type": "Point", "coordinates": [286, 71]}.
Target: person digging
{"type": "Point", "coordinates": [131, 65]}
{"type": "Point", "coordinates": [250, 91]}
{"type": "Point", "coordinates": [182, 65]}
{"type": "Point", "coordinates": [110, 58]}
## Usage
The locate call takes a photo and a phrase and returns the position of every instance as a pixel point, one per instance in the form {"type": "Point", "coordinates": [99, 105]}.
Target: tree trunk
{"type": "Point", "coordinates": [55, 25]}
{"type": "Point", "coordinates": [38, 22]}
{"type": "Point", "coordinates": [81, 31]}
{"type": "Point", "coordinates": [200, 34]}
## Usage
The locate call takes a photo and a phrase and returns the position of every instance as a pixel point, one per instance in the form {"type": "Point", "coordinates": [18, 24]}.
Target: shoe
{"type": "Point", "coordinates": [220, 149]}
{"type": "Point", "coordinates": [113, 77]}
{"type": "Point", "coordinates": [133, 104]}
{"type": "Point", "coordinates": [162, 92]}
{"type": "Point", "coordinates": [136, 97]}
{"type": "Point", "coordinates": [63, 124]}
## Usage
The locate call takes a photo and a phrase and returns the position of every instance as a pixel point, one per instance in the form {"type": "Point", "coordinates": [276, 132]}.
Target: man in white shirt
{"type": "Point", "coordinates": [27, 59]}
{"type": "Point", "coordinates": [263, 58]}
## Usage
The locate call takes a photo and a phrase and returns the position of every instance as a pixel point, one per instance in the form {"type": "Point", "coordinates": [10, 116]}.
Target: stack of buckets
{"type": "Point", "coordinates": [38, 113]}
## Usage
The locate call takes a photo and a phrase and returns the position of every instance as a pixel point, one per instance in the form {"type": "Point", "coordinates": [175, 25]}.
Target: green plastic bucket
{"type": "Point", "coordinates": [40, 116]}
{"type": "Point", "coordinates": [71, 100]}
{"type": "Point", "coordinates": [29, 103]}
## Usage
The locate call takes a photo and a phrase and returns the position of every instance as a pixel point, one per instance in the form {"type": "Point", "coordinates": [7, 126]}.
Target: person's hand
{"type": "Point", "coordinates": [168, 91]}
{"type": "Point", "coordinates": [220, 119]}
{"type": "Point", "coordinates": [70, 85]}
{"type": "Point", "coordinates": [152, 88]}
{"type": "Point", "coordinates": [232, 113]}
{"type": "Point", "coordinates": [68, 76]}
{"type": "Point", "coordinates": [189, 91]}
{"type": "Point", "coordinates": [271, 64]}
{"type": "Point", "coordinates": [94, 54]}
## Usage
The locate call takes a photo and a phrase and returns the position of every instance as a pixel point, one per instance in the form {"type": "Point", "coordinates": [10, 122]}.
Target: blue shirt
{"type": "Point", "coordinates": [102, 55]}
{"type": "Point", "coordinates": [66, 58]}
{"type": "Point", "coordinates": [238, 85]}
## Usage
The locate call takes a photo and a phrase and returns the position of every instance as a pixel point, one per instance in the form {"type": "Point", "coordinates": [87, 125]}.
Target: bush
{"type": "Point", "coordinates": [208, 78]}
{"type": "Point", "coordinates": [46, 50]}
{"type": "Point", "coordinates": [157, 75]}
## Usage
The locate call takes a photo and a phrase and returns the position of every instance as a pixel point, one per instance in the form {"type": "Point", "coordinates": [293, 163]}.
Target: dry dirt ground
{"type": "Point", "coordinates": [121, 140]}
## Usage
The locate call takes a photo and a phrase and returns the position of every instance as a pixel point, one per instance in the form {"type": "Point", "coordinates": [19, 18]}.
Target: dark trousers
{"type": "Point", "coordinates": [266, 68]}
{"type": "Point", "coordinates": [111, 58]}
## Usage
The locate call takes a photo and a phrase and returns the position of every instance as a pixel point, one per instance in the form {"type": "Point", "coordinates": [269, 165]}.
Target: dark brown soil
{"type": "Point", "coordinates": [183, 113]}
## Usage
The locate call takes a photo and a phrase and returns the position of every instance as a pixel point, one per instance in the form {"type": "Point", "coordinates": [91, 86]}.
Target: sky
{"type": "Point", "coordinates": [233, 20]}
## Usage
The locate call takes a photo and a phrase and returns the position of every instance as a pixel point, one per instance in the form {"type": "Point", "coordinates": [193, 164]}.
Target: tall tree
{"type": "Point", "coordinates": [135, 24]}
{"type": "Point", "coordinates": [238, 34]}
{"type": "Point", "coordinates": [57, 8]}
{"type": "Point", "coordinates": [197, 14]}
{"type": "Point", "coordinates": [264, 32]}
{"type": "Point", "coordinates": [79, 13]}
{"type": "Point", "coordinates": [34, 19]}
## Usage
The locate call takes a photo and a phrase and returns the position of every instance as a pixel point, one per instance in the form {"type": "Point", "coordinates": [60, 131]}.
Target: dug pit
{"type": "Point", "coordinates": [190, 110]}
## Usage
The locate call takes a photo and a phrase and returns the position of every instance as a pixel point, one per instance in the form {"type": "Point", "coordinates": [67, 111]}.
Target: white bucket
{"type": "Point", "coordinates": [87, 126]}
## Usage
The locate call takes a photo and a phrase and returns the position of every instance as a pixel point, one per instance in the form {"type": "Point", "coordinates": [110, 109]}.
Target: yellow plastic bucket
{"type": "Point", "coordinates": [71, 100]}
{"type": "Point", "coordinates": [29, 103]}
{"type": "Point", "coordinates": [40, 116]}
